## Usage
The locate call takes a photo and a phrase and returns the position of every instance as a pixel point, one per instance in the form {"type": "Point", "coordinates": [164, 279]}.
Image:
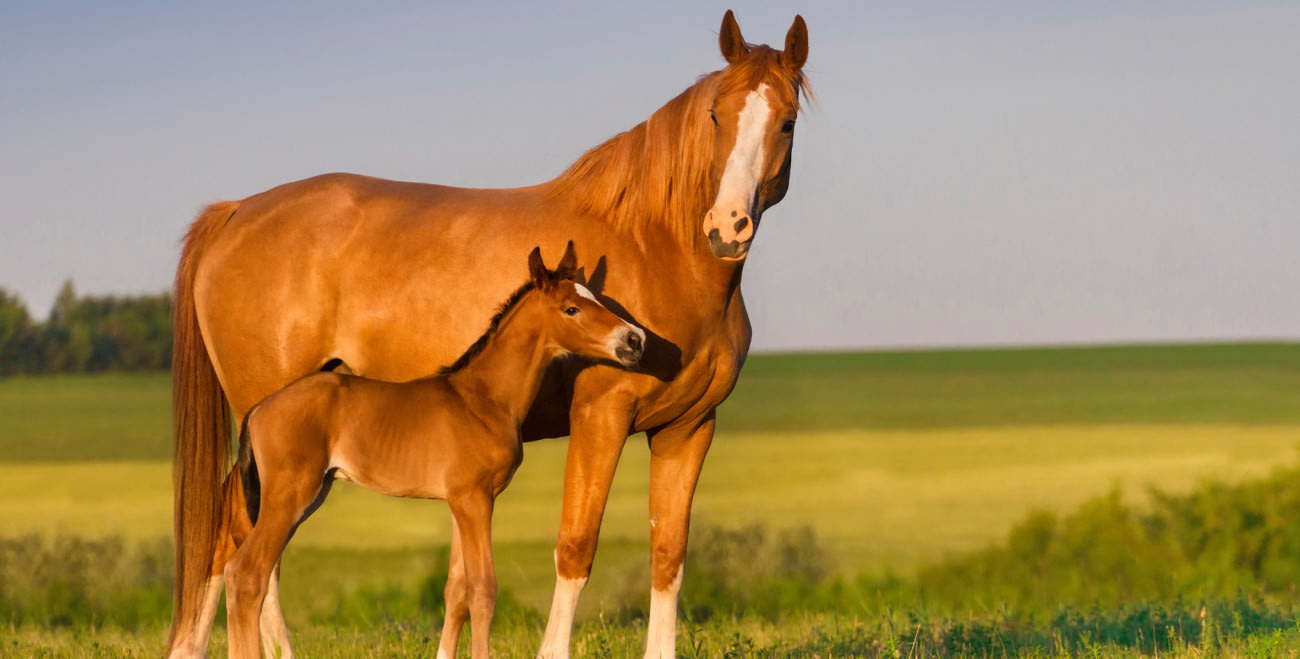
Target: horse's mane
{"type": "Point", "coordinates": [659, 171]}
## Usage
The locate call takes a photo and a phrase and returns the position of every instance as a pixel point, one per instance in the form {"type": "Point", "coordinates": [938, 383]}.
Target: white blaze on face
{"type": "Point", "coordinates": [617, 340]}
{"type": "Point", "coordinates": [584, 292]}
{"type": "Point", "coordinates": [744, 167]}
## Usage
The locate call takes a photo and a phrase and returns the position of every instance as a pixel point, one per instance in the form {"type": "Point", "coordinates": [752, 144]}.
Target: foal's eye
{"type": "Point", "coordinates": [788, 127]}
{"type": "Point", "coordinates": [714, 117]}
{"type": "Point", "coordinates": [571, 311]}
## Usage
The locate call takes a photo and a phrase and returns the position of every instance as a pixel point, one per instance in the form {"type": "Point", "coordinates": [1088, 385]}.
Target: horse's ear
{"type": "Point", "coordinates": [568, 266]}
{"type": "Point", "coordinates": [729, 39]}
{"type": "Point", "coordinates": [796, 45]}
{"type": "Point", "coordinates": [537, 269]}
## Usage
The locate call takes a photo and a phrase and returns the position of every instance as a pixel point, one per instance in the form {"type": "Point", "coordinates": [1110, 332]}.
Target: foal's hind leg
{"type": "Point", "coordinates": [249, 573]}
{"type": "Point", "coordinates": [455, 597]}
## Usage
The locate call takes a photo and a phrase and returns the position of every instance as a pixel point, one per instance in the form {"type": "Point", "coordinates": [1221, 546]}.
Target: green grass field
{"type": "Point", "coordinates": [125, 417]}
{"type": "Point", "coordinates": [896, 459]}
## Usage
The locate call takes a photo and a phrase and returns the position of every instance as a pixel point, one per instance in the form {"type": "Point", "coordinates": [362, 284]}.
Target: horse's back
{"type": "Point", "coordinates": [354, 267]}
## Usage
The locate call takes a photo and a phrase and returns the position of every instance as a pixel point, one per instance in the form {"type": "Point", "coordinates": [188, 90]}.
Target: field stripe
{"type": "Point", "coordinates": [893, 497]}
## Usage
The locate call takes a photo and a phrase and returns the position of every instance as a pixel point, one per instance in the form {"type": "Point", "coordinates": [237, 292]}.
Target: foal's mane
{"type": "Point", "coordinates": [659, 171]}
{"type": "Point", "coordinates": [495, 324]}
{"type": "Point", "coordinates": [478, 346]}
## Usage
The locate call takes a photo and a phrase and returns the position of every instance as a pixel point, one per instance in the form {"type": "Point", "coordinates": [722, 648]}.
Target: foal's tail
{"type": "Point", "coordinates": [201, 431]}
{"type": "Point", "coordinates": [247, 467]}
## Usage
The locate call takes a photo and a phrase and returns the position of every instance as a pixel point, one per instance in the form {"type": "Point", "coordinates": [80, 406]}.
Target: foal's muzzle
{"type": "Point", "coordinates": [630, 347]}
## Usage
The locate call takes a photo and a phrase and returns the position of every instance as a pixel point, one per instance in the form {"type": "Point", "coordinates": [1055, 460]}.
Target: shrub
{"type": "Point", "coordinates": [747, 569]}
{"type": "Point", "coordinates": [68, 580]}
{"type": "Point", "coordinates": [1215, 542]}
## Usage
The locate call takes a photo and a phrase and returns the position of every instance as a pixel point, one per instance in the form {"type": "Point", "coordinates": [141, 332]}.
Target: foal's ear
{"type": "Point", "coordinates": [537, 270]}
{"type": "Point", "coordinates": [568, 266]}
{"type": "Point", "coordinates": [796, 45]}
{"type": "Point", "coordinates": [729, 39]}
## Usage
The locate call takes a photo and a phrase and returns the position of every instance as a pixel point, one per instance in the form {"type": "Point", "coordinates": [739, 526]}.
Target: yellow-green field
{"type": "Point", "coordinates": [878, 498]}
{"type": "Point", "coordinates": [897, 460]}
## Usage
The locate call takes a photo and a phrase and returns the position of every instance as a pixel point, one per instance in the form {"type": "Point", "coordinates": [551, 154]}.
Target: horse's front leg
{"type": "Point", "coordinates": [597, 432]}
{"type": "Point", "coordinates": [676, 455]}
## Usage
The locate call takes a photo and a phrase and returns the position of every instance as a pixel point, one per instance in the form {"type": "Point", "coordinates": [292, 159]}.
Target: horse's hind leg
{"type": "Point", "coordinates": [235, 527]}
{"type": "Point", "coordinates": [272, 630]}
{"type": "Point", "coordinates": [455, 596]}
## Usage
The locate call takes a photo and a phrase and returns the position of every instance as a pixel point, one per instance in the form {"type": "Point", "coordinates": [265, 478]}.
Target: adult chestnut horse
{"type": "Point", "coordinates": [396, 279]}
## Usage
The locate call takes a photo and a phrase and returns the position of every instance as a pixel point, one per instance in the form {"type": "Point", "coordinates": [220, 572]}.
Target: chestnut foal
{"type": "Point", "coordinates": [452, 436]}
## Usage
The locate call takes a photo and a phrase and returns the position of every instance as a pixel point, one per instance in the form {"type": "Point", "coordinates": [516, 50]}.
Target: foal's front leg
{"type": "Point", "coordinates": [473, 517]}
{"type": "Point", "coordinates": [455, 597]}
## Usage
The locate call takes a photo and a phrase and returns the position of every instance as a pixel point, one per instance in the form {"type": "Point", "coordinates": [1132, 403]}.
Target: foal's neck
{"type": "Point", "coordinates": [508, 372]}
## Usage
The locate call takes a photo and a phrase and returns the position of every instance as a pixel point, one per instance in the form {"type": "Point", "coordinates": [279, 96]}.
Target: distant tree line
{"type": "Point", "coordinates": [86, 334]}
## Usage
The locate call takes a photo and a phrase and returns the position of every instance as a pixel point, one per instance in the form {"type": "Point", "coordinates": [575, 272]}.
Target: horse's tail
{"type": "Point", "coordinates": [247, 467]}
{"type": "Point", "coordinates": [201, 430]}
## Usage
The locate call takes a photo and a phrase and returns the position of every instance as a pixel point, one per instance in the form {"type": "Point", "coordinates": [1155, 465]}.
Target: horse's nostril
{"type": "Point", "coordinates": [634, 341]}
{"type": "Point", "coordinates": [741, 224]}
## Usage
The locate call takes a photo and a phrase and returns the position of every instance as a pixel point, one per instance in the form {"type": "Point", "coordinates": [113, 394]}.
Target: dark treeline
{"type": "Point", "coordinates": [86, 334]}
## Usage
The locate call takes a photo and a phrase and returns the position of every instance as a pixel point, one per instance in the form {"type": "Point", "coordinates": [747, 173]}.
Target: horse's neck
{"type": "Point", "coordinates": [506, 374]}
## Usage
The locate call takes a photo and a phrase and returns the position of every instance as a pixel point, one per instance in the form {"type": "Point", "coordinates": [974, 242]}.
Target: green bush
{"type": "Point", "coordinates": [1215, 542]}
{"type": "Point", "coordinates": [72, 581]}
{"type": "Point", "coordinates": [748, 569]}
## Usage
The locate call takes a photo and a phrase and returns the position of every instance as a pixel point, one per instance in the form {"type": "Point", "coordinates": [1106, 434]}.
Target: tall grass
{"type": "Point", "coordinates": [1209, 570]}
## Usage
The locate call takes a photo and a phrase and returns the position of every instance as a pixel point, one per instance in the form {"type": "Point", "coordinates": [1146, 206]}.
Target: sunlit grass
{"type": "Point", "coordinates": [878, 499]}
{"type": "Point", "coordinates": [896, 459]}
{"type": "Point", "coordinates": [819, 635]}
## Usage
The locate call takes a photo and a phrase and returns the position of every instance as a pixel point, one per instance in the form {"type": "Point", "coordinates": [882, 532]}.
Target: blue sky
{"type": "Point", "coordinates": [975, 173]}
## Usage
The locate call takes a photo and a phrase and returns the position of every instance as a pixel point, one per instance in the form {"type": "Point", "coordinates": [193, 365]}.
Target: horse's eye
{"type": "Point", "coordinates": [714, 117]}
{"type": "Point", "coordinates": [571, 311]}
{"type": "Point", "coordinates": [788, 127]}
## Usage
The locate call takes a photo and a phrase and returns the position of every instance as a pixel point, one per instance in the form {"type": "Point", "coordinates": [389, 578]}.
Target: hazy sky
{"type": "Point", "coordinates": [976, 173]}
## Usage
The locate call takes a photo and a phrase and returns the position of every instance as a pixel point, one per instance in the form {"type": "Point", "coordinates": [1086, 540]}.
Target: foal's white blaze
{"type": "Point", "coordinates": [583, 291]}
{"type": "Point", "coordinates": [662, 629]}
{"type": "Point", "coordinates": [559, 625]}
{"type": "Point", "coordinates": [744, 167]}
{"type": "Point", "coordinates": [618, 339]}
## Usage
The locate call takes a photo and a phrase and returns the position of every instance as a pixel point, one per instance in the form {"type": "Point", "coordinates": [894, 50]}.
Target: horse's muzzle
{"type": "Point", "coordinates": [731, 250]}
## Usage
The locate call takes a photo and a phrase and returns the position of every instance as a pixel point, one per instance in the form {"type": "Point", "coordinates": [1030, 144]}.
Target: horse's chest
{"type": "Point", "coordinates": [701, 386]}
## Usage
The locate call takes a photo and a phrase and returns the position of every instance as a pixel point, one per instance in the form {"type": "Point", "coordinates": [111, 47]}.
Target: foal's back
{"type": "Point", "coordinates": [411, 439]}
